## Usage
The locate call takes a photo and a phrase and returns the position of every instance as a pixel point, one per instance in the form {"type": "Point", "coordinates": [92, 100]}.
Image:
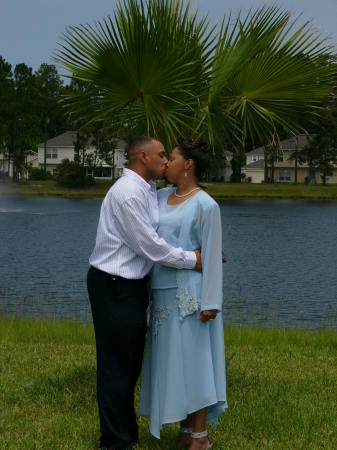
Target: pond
{"type": "Point", "coordinates": [281, 260]}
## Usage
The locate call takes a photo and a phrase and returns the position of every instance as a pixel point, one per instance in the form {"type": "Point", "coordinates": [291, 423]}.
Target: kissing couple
{"type": "Point", "coordinates": [158, 255]}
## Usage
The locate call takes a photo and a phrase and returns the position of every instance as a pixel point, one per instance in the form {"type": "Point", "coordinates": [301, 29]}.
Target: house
{"type": "Point", "coordinates": [62, 147]}
{"type": "Point", "coordinates": [284, 165]}
{"type": "Point", "coordinates": [6, 168]}
{"type": "Point", "coordinates": [6, 165]}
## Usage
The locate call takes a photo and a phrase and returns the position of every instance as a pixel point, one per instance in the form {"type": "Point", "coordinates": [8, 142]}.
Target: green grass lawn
{"type": "Point", "coordinates": [281, 389]}
{"type": "Point", "coordinates": [219, 191]}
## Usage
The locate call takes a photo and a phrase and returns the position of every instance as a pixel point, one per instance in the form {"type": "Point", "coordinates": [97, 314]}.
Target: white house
{"type": "Point", "coordinates": [62, 147]}
{"type": "Point", "coordinates": [6, 165]}
{"type": "Point", "coordinates": [255, 155]}
{"type": "Point", "coordinates": [284, 166]}
{"type": "Point", "coordinates": [6, 168]}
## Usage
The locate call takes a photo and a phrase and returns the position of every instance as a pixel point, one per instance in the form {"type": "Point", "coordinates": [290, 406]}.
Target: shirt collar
{"type": "Point", "coordinates": [151, 185]}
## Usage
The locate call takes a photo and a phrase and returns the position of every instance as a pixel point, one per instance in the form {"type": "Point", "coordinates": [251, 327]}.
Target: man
{"type": "Point", "coordinates": [126, 247]}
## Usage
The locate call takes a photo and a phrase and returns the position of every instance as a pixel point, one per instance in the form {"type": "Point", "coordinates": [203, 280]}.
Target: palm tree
{"type": "Point", "coordinates": [156, 67]}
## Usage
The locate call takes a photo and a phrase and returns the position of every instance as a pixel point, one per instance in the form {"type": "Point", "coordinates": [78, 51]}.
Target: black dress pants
{"type": "Point", "coordinates": [119, 309]}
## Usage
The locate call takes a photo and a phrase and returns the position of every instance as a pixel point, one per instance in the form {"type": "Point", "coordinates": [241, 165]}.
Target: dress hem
{"type": "Point", "coordinates": [171, 421]}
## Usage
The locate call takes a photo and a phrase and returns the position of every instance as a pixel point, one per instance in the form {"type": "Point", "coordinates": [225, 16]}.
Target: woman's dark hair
{"type": "Point", "coordinates": [197, 150]}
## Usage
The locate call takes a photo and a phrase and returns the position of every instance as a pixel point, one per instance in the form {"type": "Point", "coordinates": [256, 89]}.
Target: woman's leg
{"type": "Point", "coordinates": [199, 425]}
{"type": "Point", "coordinates": [188, 422]}
{"type": "Point", "coordinates": [186, 427]}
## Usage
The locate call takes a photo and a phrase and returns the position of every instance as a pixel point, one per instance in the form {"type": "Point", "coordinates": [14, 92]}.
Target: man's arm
{"type": "Point", "coordinates": [137, 232]}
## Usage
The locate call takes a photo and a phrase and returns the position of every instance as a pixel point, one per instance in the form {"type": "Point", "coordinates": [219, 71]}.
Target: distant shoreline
{"type": "Point", "coordinates": [219, 191]}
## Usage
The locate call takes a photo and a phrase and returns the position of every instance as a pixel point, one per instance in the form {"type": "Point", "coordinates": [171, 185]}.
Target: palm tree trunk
{"type": "Point", "coordinates": [266, 175]}
{"type": "Point", "coordinates": [296, 158]}
{"type": "Point", "coordinates": [236, 166]}
{"type": "Point", "coordinates": [45, 147]}
{"type": "Point", "coordinates": [113, 166]}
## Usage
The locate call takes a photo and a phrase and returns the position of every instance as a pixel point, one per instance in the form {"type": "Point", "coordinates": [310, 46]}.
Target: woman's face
{"type": "Point", "coordinates": [176, 167]}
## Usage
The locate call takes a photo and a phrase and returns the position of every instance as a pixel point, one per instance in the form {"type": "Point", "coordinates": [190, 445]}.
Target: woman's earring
{"type": "Point", "coordinates": [185, 173]}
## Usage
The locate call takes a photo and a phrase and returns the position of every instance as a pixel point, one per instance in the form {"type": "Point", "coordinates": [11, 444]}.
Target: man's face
{"type": "Point", "coordinates": [156, 160]}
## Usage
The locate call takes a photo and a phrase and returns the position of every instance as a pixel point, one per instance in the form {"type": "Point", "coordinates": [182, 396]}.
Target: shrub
{"type": "Point", "coordinates": [70, 174]}
{"type": "Point", "coordinates": [38, 174]}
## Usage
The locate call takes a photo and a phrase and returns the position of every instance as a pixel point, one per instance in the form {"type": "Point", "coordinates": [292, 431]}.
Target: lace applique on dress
{"type": "Point", "coordinates": [186, 303]}
{"type": "Point", "coordinates": [158, 315]}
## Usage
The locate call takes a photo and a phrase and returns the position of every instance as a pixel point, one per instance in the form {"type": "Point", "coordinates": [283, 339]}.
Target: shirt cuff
{"type": "Point", "coordinates": [209, 307]}
{"type": "Point", "coordinates": [190, 260]}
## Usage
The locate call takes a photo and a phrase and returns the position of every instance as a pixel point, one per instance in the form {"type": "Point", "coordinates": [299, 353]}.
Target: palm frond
{"type": "Point", "coordinates": [150, 59]}
{"type": "Point", "coordinates": [267, 75]}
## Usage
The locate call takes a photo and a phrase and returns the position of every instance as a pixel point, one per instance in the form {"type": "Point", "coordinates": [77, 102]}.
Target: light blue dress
{"type": "Point", "coordinates": [184, 361]}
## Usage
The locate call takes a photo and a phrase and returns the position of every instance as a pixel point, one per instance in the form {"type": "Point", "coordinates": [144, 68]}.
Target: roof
{"type": "Point", "coordinates": [62, 140]}
{"type": "Point", "coordinates": [277, 164]}
{"type": "Point", "coordinates": [299, 140]}
{"type": "Point", "coordinates": [256, 165]}
{"type": "Point", "coordinates": [257, 151]}
{"type": "Point", "coordinates": [67, 139]}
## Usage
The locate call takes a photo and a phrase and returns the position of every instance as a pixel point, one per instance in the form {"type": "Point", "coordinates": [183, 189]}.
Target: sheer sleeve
{"type": "Point", "coordinates": [211, 255]}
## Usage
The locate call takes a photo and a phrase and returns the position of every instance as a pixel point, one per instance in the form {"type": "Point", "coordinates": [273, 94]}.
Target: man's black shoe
{"type": "Point", "coordinates": [129, 447]}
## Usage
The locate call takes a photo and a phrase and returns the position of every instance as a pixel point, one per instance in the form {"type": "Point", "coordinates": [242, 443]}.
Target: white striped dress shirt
{"type": "Point", "coordinates": [127, 243]}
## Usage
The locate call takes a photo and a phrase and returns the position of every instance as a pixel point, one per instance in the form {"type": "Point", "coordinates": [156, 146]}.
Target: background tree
{"type": "Point", "coordinates": [52, 119]}
{"type": "Point", "coordinates": [23, 118]}
{"type": "Point", "coordinates": [321, 151]}
{"type": "Point", "coordinates": [6, 92]}
{"type": "Point", "coordinates": [27, 100]}
{"type": "Point", "coordinates": [107, 153]}
{"type": "Point", "coordinates": [81, 144]}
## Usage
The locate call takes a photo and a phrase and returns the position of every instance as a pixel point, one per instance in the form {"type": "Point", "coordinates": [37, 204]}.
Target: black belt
{"type": "Point", "coordinates": [119, 279]}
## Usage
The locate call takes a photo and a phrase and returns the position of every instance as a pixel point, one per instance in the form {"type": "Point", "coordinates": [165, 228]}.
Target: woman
{"type": "Point", "coordinates": [184, 367]}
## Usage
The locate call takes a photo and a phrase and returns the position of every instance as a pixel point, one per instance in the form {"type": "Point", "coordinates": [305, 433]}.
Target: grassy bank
{"type": "Point", "coordinates": [50, 188]}
{"type": "Point", "coordinates": [281, 389]}
{"type": "Point", "coordinates": [222, 191]}
{"type": "Point", "coordinates": [219, 191]}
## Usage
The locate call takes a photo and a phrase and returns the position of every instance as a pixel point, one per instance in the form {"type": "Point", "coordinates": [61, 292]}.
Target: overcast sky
{"type": "Point", "coordinates": [30, 29]}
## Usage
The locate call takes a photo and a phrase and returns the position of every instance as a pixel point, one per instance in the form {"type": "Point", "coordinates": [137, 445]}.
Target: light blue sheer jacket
{"type": "Point", "coordinates": [193, 224]}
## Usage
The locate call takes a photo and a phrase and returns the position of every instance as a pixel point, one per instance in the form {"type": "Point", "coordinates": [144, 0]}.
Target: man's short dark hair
{"type": "Point", "coordinates": [135, 145]}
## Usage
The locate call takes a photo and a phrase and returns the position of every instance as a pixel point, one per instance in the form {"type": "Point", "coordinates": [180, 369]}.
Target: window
{"type": "Point", "coordinates": [279, 157]}
{"type": "Point", "coordinates": [254, 158]}
{"type": "Point", "coordinates": [285, 175]}
{"type": "Point", "coordinates": [102, 172]}
{"type": "Point", "coordinates": [51, 153]}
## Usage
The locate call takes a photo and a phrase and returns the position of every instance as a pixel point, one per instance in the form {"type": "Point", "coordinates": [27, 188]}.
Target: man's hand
{"type": "Point", "coordinates": [205, 316]}
{"type": "Point", "coordinates": [198, 265]}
